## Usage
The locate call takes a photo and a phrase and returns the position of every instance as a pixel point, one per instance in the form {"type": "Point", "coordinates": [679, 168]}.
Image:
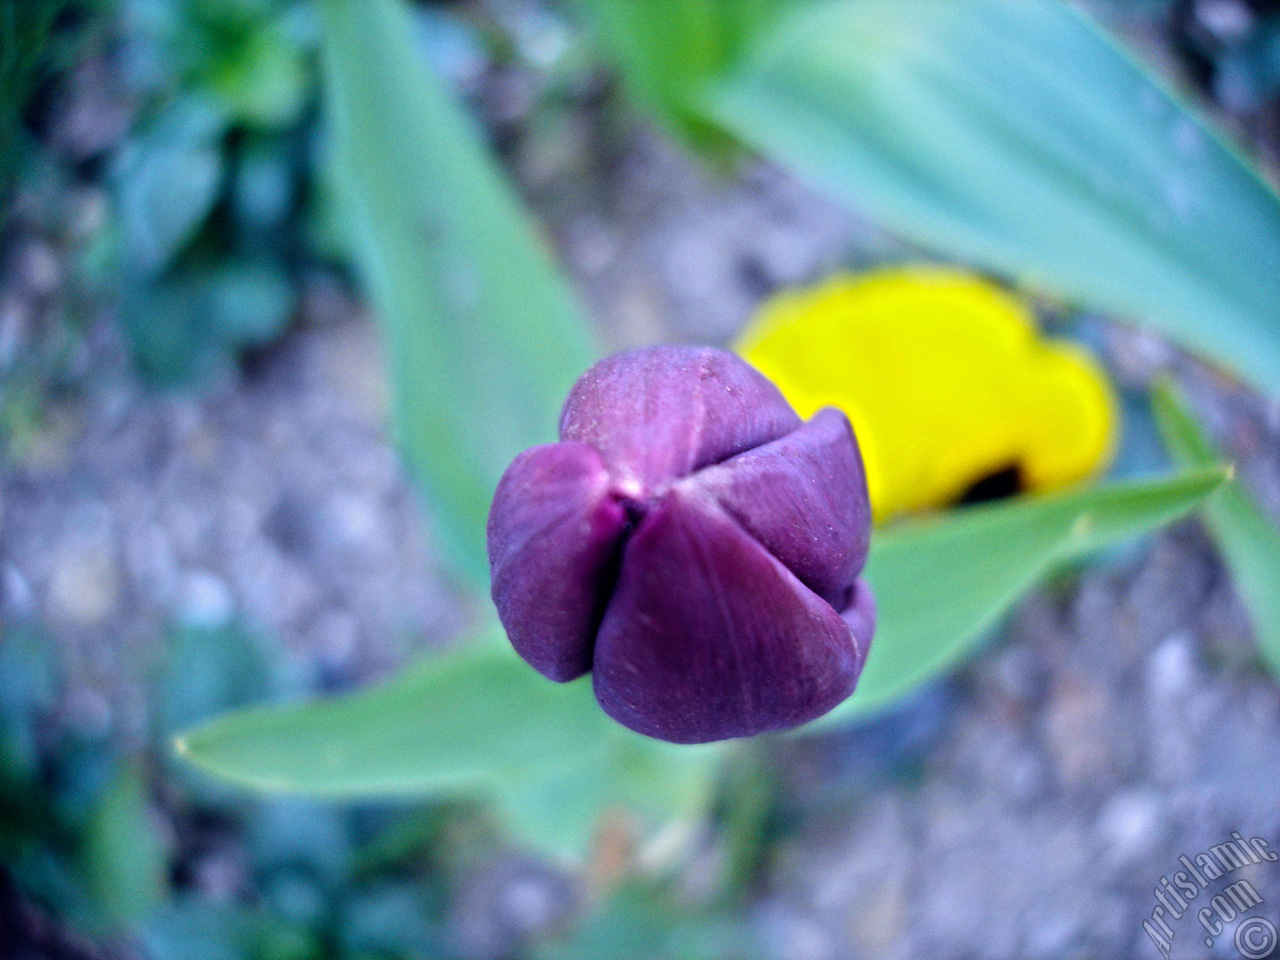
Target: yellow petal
{"type": "Point", "coordinates": [945, 379]}
{"type": "Point", "coordinates": [1072, 419]}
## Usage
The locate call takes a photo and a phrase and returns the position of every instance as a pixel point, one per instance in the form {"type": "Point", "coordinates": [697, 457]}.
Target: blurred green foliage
{"type": "Point", "coordinates": [669, 51]}
{"type": "Point", "coordinates": [648, 920]}
{"type": "Point", "coordinates": [74, 829]}
{"type": "Point", "coordinates": [214, 186]}
{"type": "Point", "coordinates": [1012, 133]}
{"type": "Point", "coordinates": [35, 44]}
{"type": "Point", "coordinates": [113, 840]}
{"type": "Point", "coordinates": [120, 843]}
{"type": "Point", "coordinates": [1247, 537]}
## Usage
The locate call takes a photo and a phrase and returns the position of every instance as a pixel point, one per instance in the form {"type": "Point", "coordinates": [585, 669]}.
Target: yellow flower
{"type": "Point", "coordinates": [946, 380]}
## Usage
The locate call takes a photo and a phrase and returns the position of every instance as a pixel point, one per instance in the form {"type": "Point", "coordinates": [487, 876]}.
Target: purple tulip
{"type": "Point", "coordinates": [692, 543]}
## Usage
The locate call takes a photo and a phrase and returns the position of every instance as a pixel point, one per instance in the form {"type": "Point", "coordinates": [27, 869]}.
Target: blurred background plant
{"type": "Point", "coordinates": [212, 189]}
{"type": "Point", "coordinates": [191, 183]}
{"type": "Point", "coordinates": [37, 44]}
{"type": "Point", "coordinates": [103, 836]}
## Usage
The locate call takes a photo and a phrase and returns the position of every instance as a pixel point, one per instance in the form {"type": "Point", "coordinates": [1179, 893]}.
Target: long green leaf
{"type": "Point", "coordinates": [1014, 133]}
{"type": "Point", "coordinates": [476, 723]}
{"type": "Point", "coordinates": [940, 586]}
{"type": "Point", "coordinates": [454, 724]}
{"type": "Point", "coordinates": [480, 722]}
{"type": "Point", "coordinates": [484, 338]}
{"type": "Point", "coordinates": [124, 854]}
{"type": "Point", "coordinates": [1247, 538]}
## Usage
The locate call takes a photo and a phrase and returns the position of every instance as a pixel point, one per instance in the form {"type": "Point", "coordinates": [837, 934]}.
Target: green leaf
{"type": "Point", "coordinates": [166, 325]}
{"type": "Point", "coordinates": [28, 693]}
{"type": "Point", "coordinates": [481, 723]}
{"type": "Point", "coordinates": [454, 724]}
{"type": "Point", "coordinates": [483, 335]}
{"type": "Point", "coordinates": [192, 320]}
{"type": "Point", "coordinates": [1247, 538]}
{"type": "Point", "coordinates": [941, 585]}
{"type": "Point", "coordinates": [1014, 133]}
{"type": "Point", "coordinates": [264, 188]}
{"type": "Point", "coordinates": [476, 723]}
{"type": "Point", "coordinates": [264, 82]}
{"type": "Point", "coordinates": [37, 40]}
{"type": "Point", "coordinates": [645, 919]}
{"type": "Point", "coordinates": [658, 784]}
{"type": "Point", "coordinates": [167, 182]}
{"type": "Point", "coordinates": [250, 303]}
{"type": "Point", "coordinates": [391, 918]}
{"type": "Point", "coordinates": [125, 859]}
{"type": "Point", "coordinates": [665, 50]}
{"type": "Point", "coordinates": [197, 929]}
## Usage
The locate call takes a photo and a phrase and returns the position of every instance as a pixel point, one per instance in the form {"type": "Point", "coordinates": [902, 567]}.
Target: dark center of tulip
{"type": "Point", "coordinates": [997, 485]}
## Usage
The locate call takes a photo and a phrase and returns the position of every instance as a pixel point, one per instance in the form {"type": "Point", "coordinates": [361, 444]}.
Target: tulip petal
{"type": "Point", "coordinates": [709, 637]}
{"type": "Point", "coordinates": [804, 497]}
{"type": "Point", "coordinates": [659, 414]}
{"type": "Point", "coordinates": [555, 530]}
{"type": "Point", "coordinates": [860, 615]}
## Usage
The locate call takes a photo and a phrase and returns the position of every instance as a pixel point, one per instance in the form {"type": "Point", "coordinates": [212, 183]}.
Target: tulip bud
{"type": "Point", "coordinates": [693, 544]}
